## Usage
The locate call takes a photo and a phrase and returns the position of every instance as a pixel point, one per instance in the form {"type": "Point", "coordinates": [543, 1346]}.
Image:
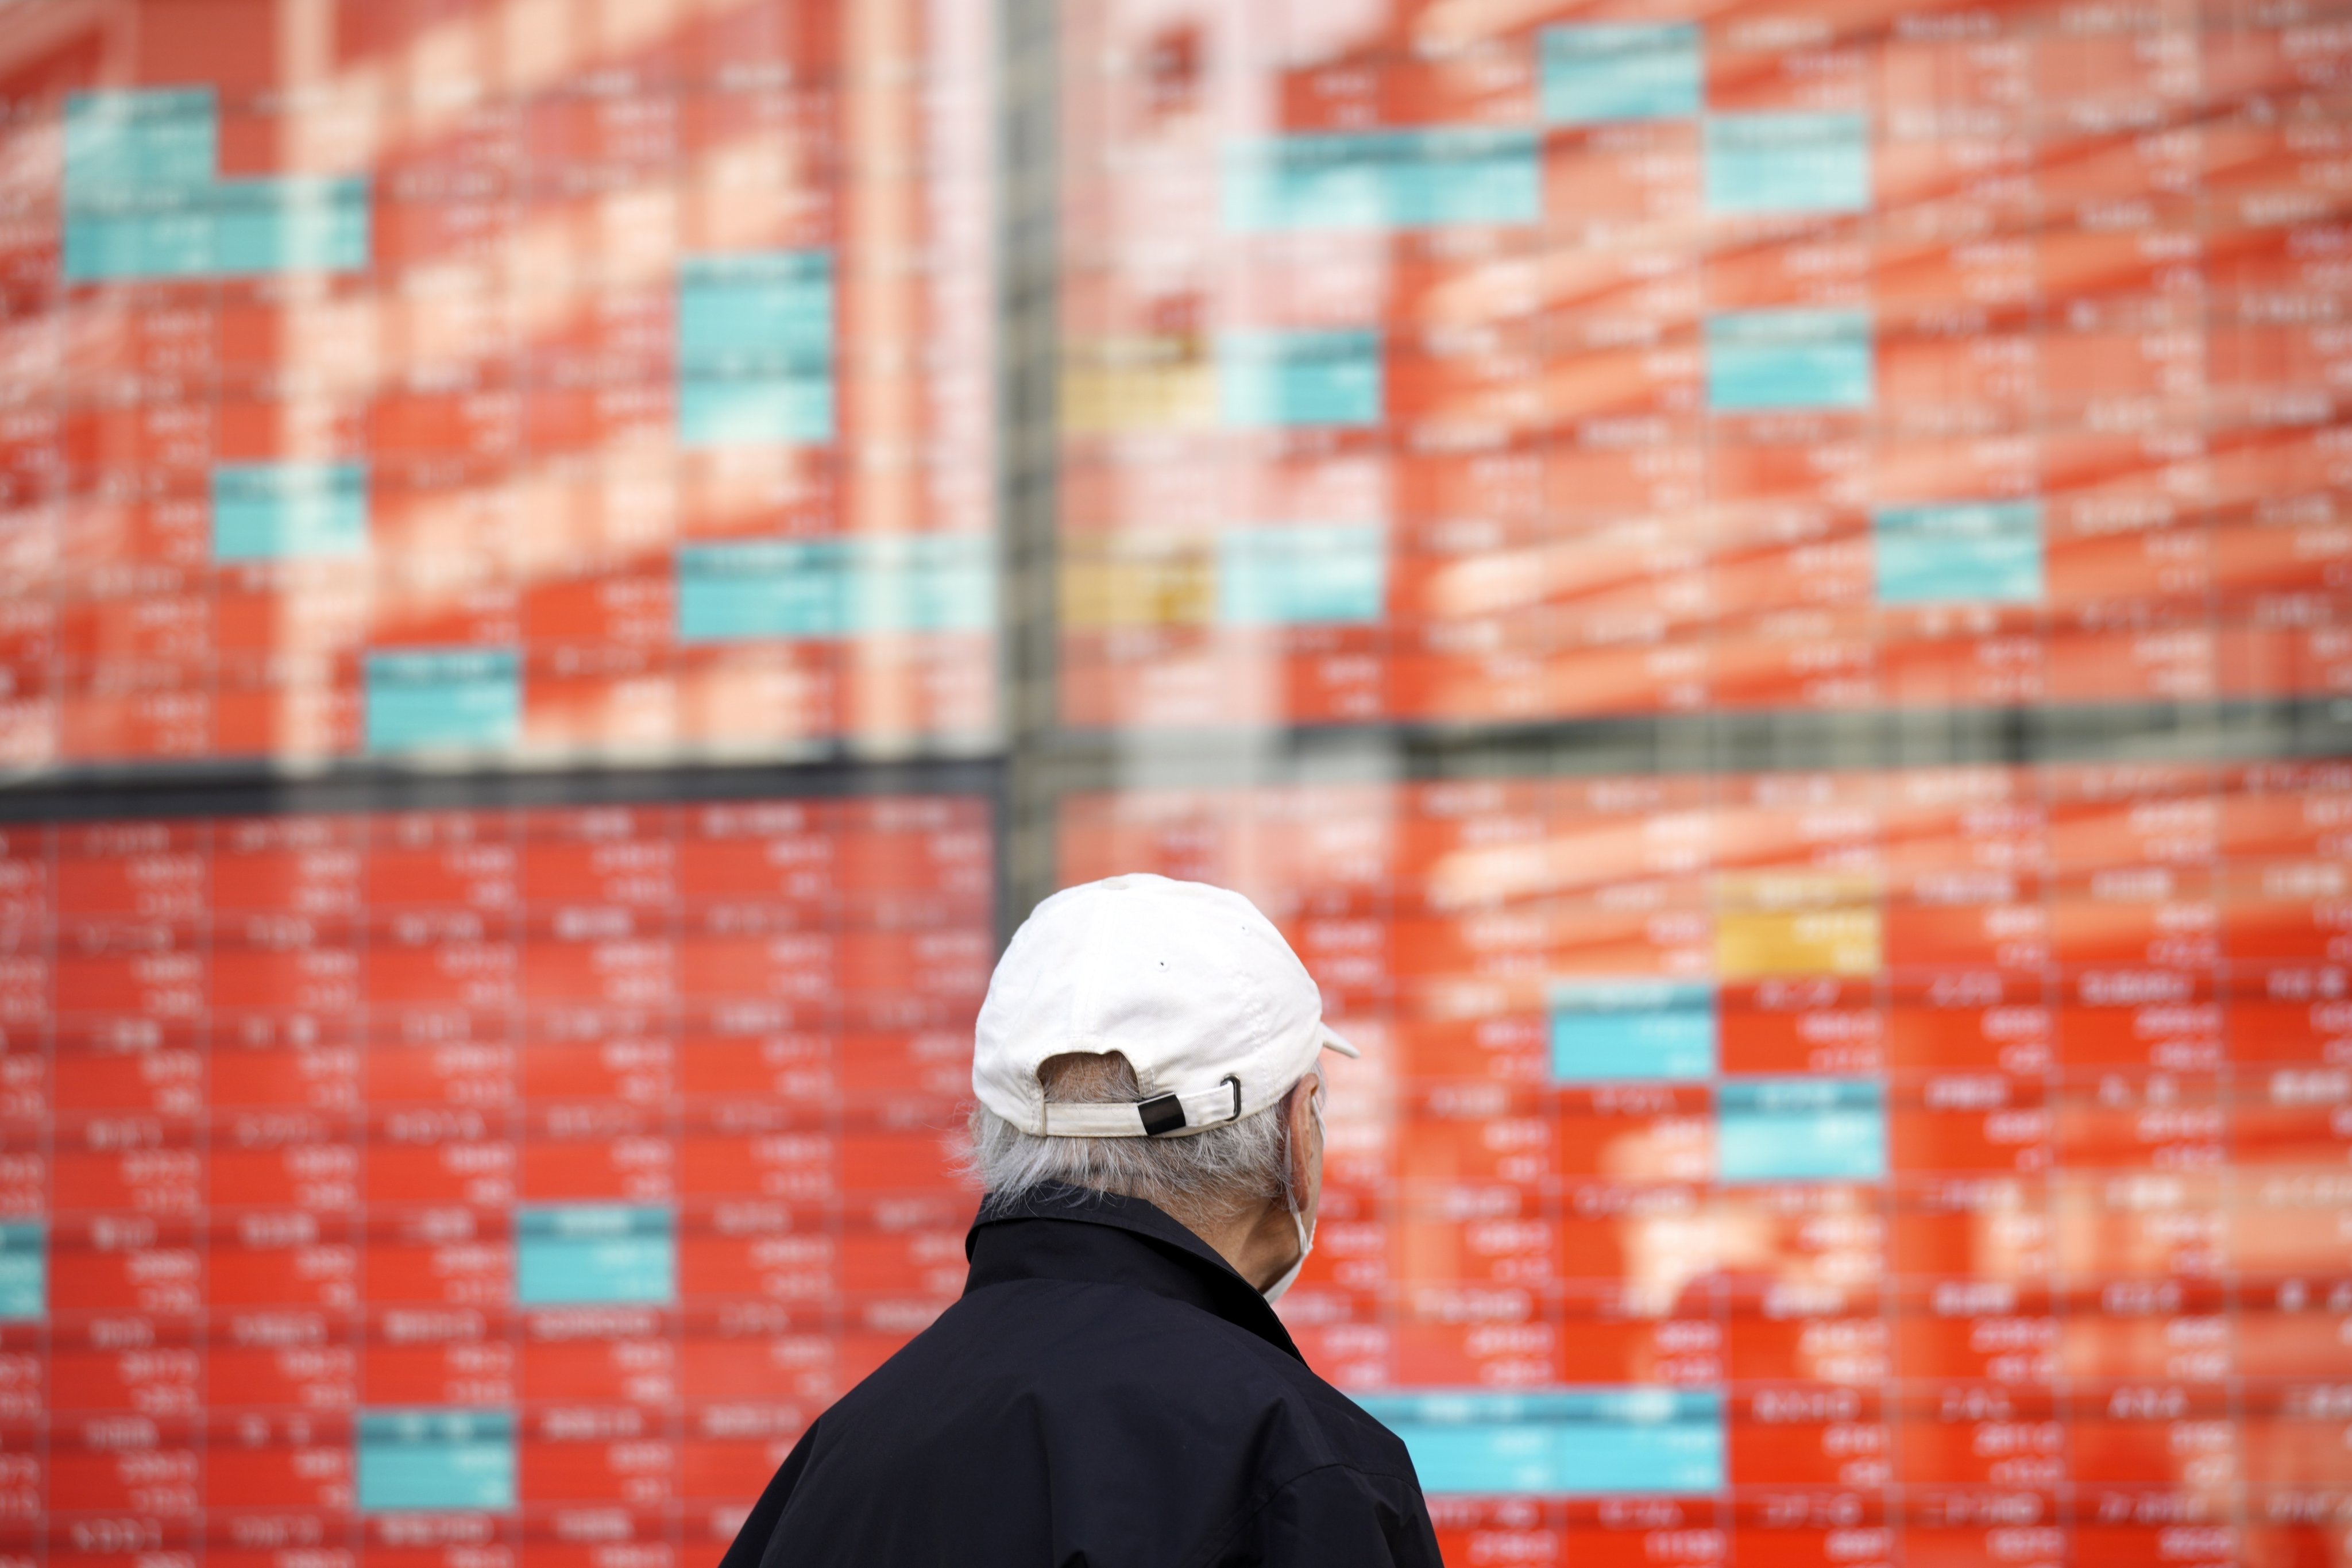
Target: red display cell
{"type": "Point", "coordinates": [576, 1364]}
{"type": "Point", "coordinates": [739, 1460]}
{"type": "Point", "coordinates": [787, 1164]}
{"type": "Point", "coordinates": [1510, 1048]}
{"type": "Point", "coordinates": [437, 1359]}
{"type": "Point", "coordinates": [1974, 1123]}
{"type": "Point", "coordinates": [440, 965]}
{"type": "Point", "coordinates": [742, 1256]}
{"type": "Point", "coordinates": [2010, 1349]}
{"type": "Point", "coordinates": [791, 862]}
{"type": "Point", "coordinates": [641, 1468]}
{"type": "Point", "coordinates": [450, 1161]}
{"type": "Point", "coordinates": [2008, 1038]}
{"type": "Point", "coordinates": [1480, 1148]}
{"type": "Point", "coordinates": [637, 1071]}
{"type": "Point", "coordinates": [455, 861]}
{"type": "Point", "coordinates": [919, 1157]}
{"type": "Point", "coordinates": [168, 1081]}
{"type": "Point", "coordinates": [1785, 1449]}
{"type": "Point", "coordinates": [930, 1063]}
{"type": "Point", "coordinates": [148, 1180]}
{"type": "Point", "coordinates": [291, 963]}
{"type": "Point", "coordinates": [598, 1157]}
{"type": "Point", "coordinates": [920, 1263]}
{"type": "Point", "coordinates": [1824, 1349]}
{"type": "Point", "coordinates": [2022, 1451]}
{"type": "Point", "coordinates": [1785, 1028]}
{"type": "Point", "coordinates": [789, 1065]}
{"type": "Point", "coordinates": [608, 962]}
{"type": "Point", "coordinates": [746, 1371]}
{"type": "Point", "coordinates": [2139, 1016]}
{"type": "Point", "coordinates": [308, 867]}
{"type": "Point", "coordinates": [145, 725]}
{"type": "Point", "coordinates": [463, 1070]}
{"type": "Point", "coordinates": [274, 1476]}
{"type": "Point", "coordinates": [158, 1373]}
{"type": "Point", "coordinates": [1494, 1354]}
{"type": "Point", "coordinates": [153, 1481]}
{"type": "Point", "coordinates": [1499, 1530]}
{"type": "Point", "coordinates": [300, 1272]}
{"type": "Point", "coordinates": [1624, 1541]}
{"type": "Point", "coordinates": [618, 858]}
{"type": "Point", "coordinates": [317, 1373]}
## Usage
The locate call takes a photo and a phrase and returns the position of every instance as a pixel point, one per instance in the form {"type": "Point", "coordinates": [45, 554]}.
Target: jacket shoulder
{"type": "Point", "coordinates": [1088, 1417]}
{"type": "Point", "coordinates": [1108, 1344]}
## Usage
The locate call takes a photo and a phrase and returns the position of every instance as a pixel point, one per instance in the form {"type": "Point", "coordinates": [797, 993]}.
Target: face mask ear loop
{"type": "Point", "coordinates": [1290, 1201]}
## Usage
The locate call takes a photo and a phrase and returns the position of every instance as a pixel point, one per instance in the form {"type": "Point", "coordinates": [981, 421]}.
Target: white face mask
{"type": "Point", "coordinates": [1306, 1230]}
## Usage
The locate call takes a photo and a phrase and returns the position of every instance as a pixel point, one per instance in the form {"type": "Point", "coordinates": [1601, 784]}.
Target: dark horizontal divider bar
{"type": "Point", "coordinates": [1699, 743]}
{"type": "Point", "coordinates": [378, 791]}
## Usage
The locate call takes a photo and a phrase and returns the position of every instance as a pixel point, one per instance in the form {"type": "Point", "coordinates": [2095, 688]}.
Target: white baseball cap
{"type": "Point", "coordinates": [1190, 982]}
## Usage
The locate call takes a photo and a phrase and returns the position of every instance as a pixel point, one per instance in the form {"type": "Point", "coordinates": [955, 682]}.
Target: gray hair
{"type": "Point", "coordinates": [1210, 1177]}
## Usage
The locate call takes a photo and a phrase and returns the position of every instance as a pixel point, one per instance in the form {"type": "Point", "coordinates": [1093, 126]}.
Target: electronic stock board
{"type": "Point", "coordinates": [1922, 1166]}
{"type": "Point", "coordinates": [1885, 1165]}
{"type": "Point", "coordinates": [493, 382]}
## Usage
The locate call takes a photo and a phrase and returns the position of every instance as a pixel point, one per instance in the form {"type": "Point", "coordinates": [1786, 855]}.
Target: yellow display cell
{"type": "Point", "coordinates": [1141, 384]}
{"type": "Point", "coordinates": [1764, 944]}
{"type": "Point", "coordinates": [1168, 587]}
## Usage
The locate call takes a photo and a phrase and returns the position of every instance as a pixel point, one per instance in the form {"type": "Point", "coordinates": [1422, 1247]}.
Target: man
{"type": "Point", "coordinates": [1113, 1390]}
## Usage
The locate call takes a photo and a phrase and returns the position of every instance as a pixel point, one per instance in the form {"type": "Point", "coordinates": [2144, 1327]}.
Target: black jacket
{"type": "Point", "coordinates": [1108, 1394]}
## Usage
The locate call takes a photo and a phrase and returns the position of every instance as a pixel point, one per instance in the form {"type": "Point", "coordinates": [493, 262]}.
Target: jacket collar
{"type": "Point", "coordinates": [1076, 1233]}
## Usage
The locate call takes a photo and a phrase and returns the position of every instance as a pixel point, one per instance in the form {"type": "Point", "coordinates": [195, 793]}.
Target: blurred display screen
{"type": "Point", "coordinates": [1943, 1167]}
{"type": "Point", "coordinates": [1933, 1166]}
{"type": "Point", "coordinates": [492, 378]}
{"type": "Point", "coordinates": [465, 1187]}
{"type": "Point", "coordinates": [1444, 360]}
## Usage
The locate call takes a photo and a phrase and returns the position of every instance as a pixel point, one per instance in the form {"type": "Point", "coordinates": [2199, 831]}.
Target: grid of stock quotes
{"type": "Point", "coordinates": [1847, 1165]}
{"type": "Point", "coordinates": [1457, 361]}
{"type": "Point", "coordinates": [1944, 1167]}
{"type": "Point", "coordinates": [395, 377]}
{"type": "Point", "coordinates": [462, 1187]}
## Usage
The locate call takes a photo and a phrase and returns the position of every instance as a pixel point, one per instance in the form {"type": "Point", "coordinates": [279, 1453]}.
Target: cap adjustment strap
{"type": "Point", "coordinates": [1158, 1117]}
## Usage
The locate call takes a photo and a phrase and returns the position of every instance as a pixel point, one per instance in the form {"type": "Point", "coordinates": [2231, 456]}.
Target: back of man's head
{"type": "Point", "coordinates": [1206, 1181]}
{"type": "Point", "coordinates": [1148, 1037]}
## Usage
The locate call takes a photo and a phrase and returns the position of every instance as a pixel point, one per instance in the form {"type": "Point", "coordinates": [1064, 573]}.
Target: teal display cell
{"type": "Point", "coordinates": [1602, 73]}
{"type": "Point", "coordinates": [289, 225]}
{"type": "Point", "coordinates": [1574, 1443]}
{"type": "Point", "coordinates": [156, 242]}
{"type": "Point", "coordinates": [761, 313]}
{"type": "Point", "coordinates": [595, 1255]}
{"type": "Point", "coordinates": [920, 583]}
{"type": "Point", "coordinates": [1948, 552]}
{"type": "Point", "coordinates": [144, 199]}
{"type": "Point", "coordinates": [1626, 1031]}
{"type": "Point", "coordinates": [763, 589]}
{"type": "Point", "coordinates": [867, 586]}
{"type": "Point", "coordinates": [1801, 1130]}
{"type": "Point", "coordinates": [1302, 575]}
{"type": "Point", "coordinates": [1383, 180]}
{"type": "Point", "coordinates": [444, 700]}
{"type": "Point", "coordinates": [791, 410]}
{"type": "Point", "coordinates": [24, 1272]}
{"type": "Point", "coordinates": [1288, 379]}
{"type": "Point", "coordinates": [1761, 361]}
{"type": "Point", "coordinates": [289, 511]}
{"type": "Point", "coordinates": [126, 145]}
{"type": "Point", "coordinates": [432, 1460]}
{"type": "Point", "coordinates": [1787, 164]}
{"type": "Point", "coordinates": [755, 349]}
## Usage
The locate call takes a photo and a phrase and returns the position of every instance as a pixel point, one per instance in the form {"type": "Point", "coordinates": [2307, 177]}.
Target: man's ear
{"type": "Point", "coordinates": [1302, 1130]}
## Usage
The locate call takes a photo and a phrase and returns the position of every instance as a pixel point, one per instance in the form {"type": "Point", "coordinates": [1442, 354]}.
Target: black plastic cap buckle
{"type": "Point", "coordinates": [1165, 1114]}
